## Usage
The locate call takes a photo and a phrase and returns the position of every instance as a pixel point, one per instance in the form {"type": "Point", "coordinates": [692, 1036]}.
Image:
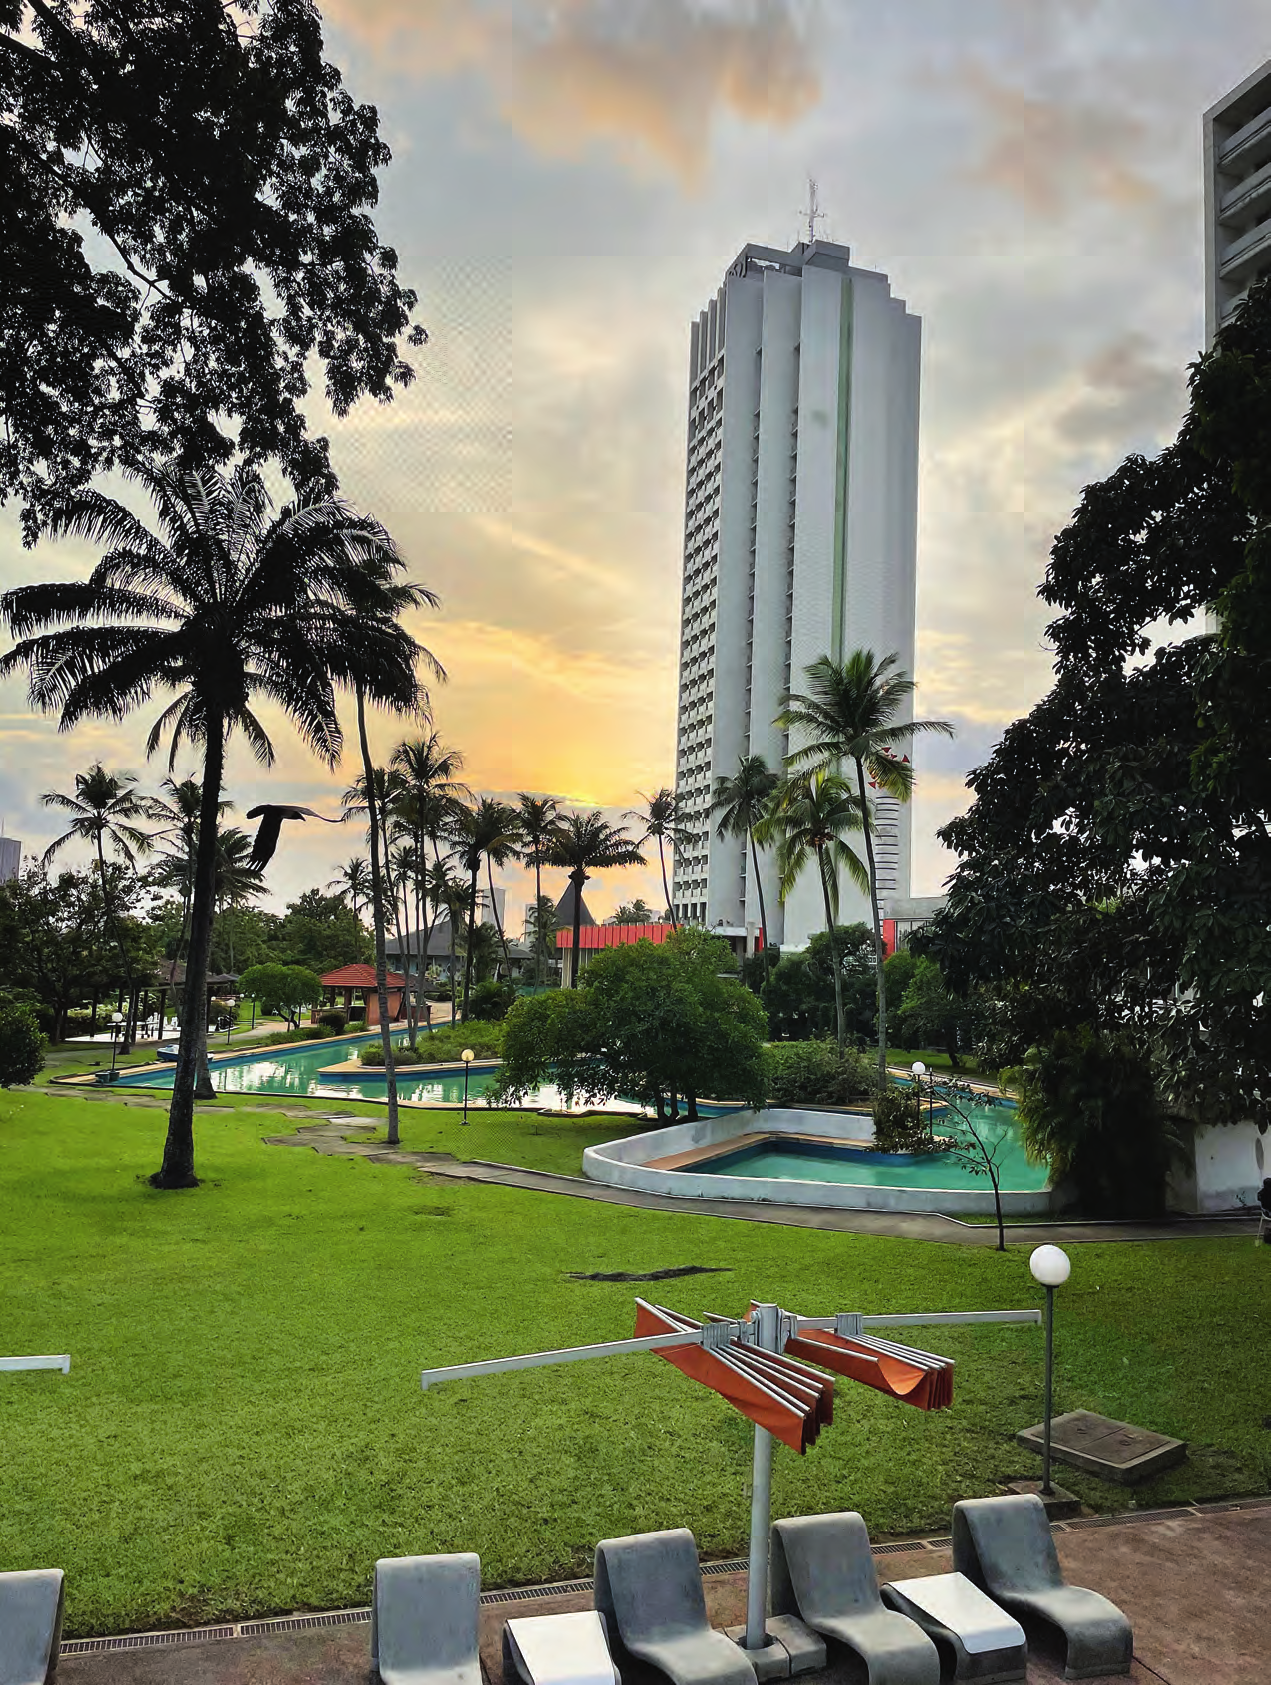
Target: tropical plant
{"type": "Point", "coordinates": [662, 822]}
{"type": "Point", "coordinates": [633, 912]}
{"type": "Point", "coordinates": [581, 844]}
{"type": "Point", "coordinates": [741, 802]}
{"type": "Point", "coordinates": [852, 715]}
{"type": "Point", "coordinates": [540, 930]}
{"type": "Point", "coordinates": [799, 996]}
{"type": "Point", "coordinates": [977, 1142]}
{"type": "Point", "coordinates": [353, 883]}
{"type": "Point", "coordinates": [231, 605]}
{"type": "Point", "coordinates": [489, 832]}
{"type": "Point", "coordinates": [816, 1073]}
{"type": "Point", "coordinates": [808, 820]}
{"type": "Point", "coordinates": [539, 816]}
{"type": "Point", "coordinates": [22, 1046]}
{"type": "Point", "coordinates": [282, 988]}
{"type": "Point", "coordinates": [426, 808]}
{"type": "Point", "coordinates": [104, 809]}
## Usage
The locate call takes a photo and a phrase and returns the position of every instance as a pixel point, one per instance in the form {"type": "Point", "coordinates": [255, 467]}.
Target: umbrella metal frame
{"type": "Point", "coordinates": [767, 1329]}
{"type": "Point", "coordinates": [11, 1363]}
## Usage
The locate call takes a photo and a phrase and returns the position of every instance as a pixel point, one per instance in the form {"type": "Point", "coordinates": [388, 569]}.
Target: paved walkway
{"type": "Point", "coordinates": [1192, 1582]}
{"type": "Point", "coordinates": [328, 1137]}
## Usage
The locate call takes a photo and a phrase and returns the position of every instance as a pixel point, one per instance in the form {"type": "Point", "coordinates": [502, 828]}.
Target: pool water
{"type": "Point", "coordinates": [829, 1161]}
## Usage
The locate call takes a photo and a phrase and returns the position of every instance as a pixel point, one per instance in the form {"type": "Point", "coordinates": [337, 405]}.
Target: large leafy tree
{"type": "Point", "coordinates": [227, 606]}
{"type": "Point", "coordinates": [1116, 861]}
{"type": "Point", "coordinates": [800, 998]}
{"type": "Point", "coordinates": [852, 716]}
{"type": "Point", "coordinates": [185, 198]}
{"type": "Point", "coordinates": [809, 820]}
{"type": "Point", "coordinates": [741, 800]}
{"type": "Point", "coordinates": [583, 843]}
{"type": "Point", "coordinates": [53, 941]}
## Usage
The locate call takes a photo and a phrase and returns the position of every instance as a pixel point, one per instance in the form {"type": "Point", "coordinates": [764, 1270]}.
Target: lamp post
{"type": "Point", "coordinates": [116, 1024]}
{"type": "Point", "coordinates": [1051, 1267]}
{"type": "Point", "coordinates": [467, 1056]}
{"type": "Point", "coordinates": [919, 1071]}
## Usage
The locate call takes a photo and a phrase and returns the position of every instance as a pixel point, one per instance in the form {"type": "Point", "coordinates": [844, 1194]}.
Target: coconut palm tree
{"type": "Point", "coordinates": [429, 799]}
{"type": "Point", "coordinates": [353, 883]}
{"type": "Point", "coordinates": [490, 831]}
{"type": "Point", "coordinates": [447, 890]}
{"type": "Point", "coordinates": [662, 823]}
{"type": "Point", "coordinates": [229, 604]}
{"type": "Point", "coordinates": [741, 802]}
{"type": "Point", "coordinates": [103, 809]}
{"type": "Point", "coordinates": [808, 818]}
{"type": "Point", "coordinates": [583, 843]}
{"type": "Point", "coordinates": [851, 716]}
{"type": "Point", "coordinates": [538, 820]}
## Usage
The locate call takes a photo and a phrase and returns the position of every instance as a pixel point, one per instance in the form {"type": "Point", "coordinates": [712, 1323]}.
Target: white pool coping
{"type": "Point", "coordinates": [628, 1163]}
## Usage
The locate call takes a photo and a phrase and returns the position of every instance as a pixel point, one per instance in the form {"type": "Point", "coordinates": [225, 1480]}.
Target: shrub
{"type": "Point", "coordinates": [22, 1045]}
{"type": "Point", "coordinates": [811, 1073]}
{"type": "Point", "coordinates": [489, 1001]}
{"type": "Point", "coordinates": [443, 1046]}
{"type": "Point", "coordinates": [899, 1123]}
{"type": "Point", "coordinates": [306, 1032]}
{"type": "Point", "coordinates": [335, 1020]}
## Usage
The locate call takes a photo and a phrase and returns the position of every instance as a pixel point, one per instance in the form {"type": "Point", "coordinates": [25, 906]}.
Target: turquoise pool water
{"type": "Point", "coordinates": [809, 1161]}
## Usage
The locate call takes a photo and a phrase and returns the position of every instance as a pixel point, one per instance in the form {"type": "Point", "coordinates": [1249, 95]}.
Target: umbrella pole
{"type": "Point", "coordinates": [760, 1519]}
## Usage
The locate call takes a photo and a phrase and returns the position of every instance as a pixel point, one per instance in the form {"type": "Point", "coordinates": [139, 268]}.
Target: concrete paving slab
{"type": "Point", "coordinates": [1108, 1449]}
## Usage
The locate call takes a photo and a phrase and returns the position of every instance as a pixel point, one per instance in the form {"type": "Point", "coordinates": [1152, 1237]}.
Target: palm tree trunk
{"type": "Point", "coordinates": [472, 926]}
{"type": "Point", "coordinates": [834, 955]}
{"type": "Point", "coordinates": [498, 922]}
{"type": "Point", "coordinates": [377, 919]}
{"type": "Point", "coordinates": [177, 1169]}
{"type": "Point", "coordinates": [577, 877]}
{"type": "Point", "coordinates": [454, 962]}
{"type": "Point", "coordinates": [540, 957]}
{"type": "Point", "coordinates": [763, 911]}
{"type": "Point", "coordinates": [879, 955]}
{"type": "Point", "coordinates": [125, 1045]}
{"type": "Point", "coordinates": [666, 888]}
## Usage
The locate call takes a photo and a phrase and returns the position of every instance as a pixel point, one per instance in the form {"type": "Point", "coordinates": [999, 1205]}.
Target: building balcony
{"type": "Point", "coordinates": [1247, 256]}
{"type": "Point", "coordinates": [1249, 147]}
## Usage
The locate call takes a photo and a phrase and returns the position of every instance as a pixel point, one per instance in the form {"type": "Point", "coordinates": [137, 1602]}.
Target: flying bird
{"type": "Point", "coordinates": [271, 816]}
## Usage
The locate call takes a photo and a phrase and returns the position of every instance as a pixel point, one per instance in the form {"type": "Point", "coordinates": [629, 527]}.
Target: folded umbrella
{"type": "Point", "coordinates": [914, 1377]}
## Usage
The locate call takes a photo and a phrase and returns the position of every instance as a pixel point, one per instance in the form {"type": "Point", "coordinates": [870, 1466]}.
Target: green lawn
{"type": "Point", "coordinates": [243, 1432]}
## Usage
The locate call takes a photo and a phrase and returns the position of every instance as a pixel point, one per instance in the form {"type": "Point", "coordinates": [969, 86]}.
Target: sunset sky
{"type": "Point", "coordinates": [570, 180]}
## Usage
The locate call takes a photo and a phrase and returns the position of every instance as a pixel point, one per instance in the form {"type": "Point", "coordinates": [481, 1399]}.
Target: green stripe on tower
{"type": "Point", "coordinates": [842, 468]}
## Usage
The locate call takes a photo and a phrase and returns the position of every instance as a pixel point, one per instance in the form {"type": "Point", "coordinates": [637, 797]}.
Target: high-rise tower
{"type": "Point", "coordinates": [1237, 196]}
{"type": "Point", "coordinates": [800, 541]}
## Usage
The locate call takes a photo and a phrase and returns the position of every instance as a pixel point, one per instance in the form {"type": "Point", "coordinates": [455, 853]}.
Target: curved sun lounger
{"type": "Point", "coordinates": [1004, 1546]}
{"type": "Point", "coordinates": [822, 1570]}
{"type": "Point", "coordinates": [31, 1603]}
{"type": "Point", "coordinates": [649, 1591]}
{"type": "Point", "coordinates": [424, 1620]}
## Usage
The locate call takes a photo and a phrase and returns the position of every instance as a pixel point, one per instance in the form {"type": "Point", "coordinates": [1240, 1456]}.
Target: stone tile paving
{"type": "Point", "coordinates": [1193, 1583]}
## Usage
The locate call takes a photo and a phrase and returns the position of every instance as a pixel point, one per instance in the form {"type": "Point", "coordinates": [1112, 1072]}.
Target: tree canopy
{"type": "Point", "coordinates": [185, 192]}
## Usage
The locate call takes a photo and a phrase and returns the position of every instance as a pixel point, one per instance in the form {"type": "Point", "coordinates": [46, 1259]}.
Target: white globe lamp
{"type": "Point", "coordinates": [1051, 1267]}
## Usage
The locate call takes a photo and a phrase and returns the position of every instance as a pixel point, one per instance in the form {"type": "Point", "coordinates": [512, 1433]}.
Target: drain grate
{"type": "Point", "coordinates": [1130, 1518]}
{"type": "Point", "coordinates": [143, 1640]}
{"type": "Point", "coordinates": [523, 1594]}
{"type": "Point", "coordinates": [898, 1549]}
{"type": "Point", "coordinates": [303, 1623]}
{"type": "Point", "coordinates": [740, 1566]}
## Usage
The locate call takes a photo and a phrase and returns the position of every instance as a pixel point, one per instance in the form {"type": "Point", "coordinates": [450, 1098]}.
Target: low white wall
{"type": "Point", "coordinates": [625, 1164]}
{"type": "Point", "coordinates": [1230, 1163]}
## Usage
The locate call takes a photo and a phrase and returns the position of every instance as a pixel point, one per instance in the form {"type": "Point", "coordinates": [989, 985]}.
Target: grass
{"type": "Point", "coordinates": [242, 1431]}
{"type": "Point", "coordinates": [967, 1065]}
{"type": "Point", "coordinates": [521, 1138]}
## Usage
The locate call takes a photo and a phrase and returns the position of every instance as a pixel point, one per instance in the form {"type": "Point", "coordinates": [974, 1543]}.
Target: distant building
{"type": "Point", "coordinates": [902, 915]}
{"type": "Point", "coordinates": [1237, 196]}
{"type": "Point", "coordinates": [800, 537]}
{"type": "Point", "coordinates": [10, 858]}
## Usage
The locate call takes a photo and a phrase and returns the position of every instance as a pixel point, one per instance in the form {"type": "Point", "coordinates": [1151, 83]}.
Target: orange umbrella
{"type": "Point", "coordinates": [914, 1377]}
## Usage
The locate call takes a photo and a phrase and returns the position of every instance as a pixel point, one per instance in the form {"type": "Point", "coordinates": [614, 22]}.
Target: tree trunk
{"type": "Point", "coordinates": [377, 905]}
{"type": "Point", "coordinates": [834, 954]}
{"type": "Point", "coordinates": [666, 888]}
{"type": "Point", "coordinates": [498, 922]}
{"type": "Point", "coordinates": [578, 878]}
{"type": "Point", "coordinates": [125, 1046]}
{"type": "Point", "coordinates": [879, 955]}
{"type": "Point", "coordinates": [472, 926]}
{"type": "Point", "coordinates": [690, 1105]}
{"type": "Point", "coordinates": [997, 1201]}
{"type": "Point", "coordinates": [177, 1170]}
{"type": "Point", "coordinates": [763, 911]}
{"type": "Point", "coordinates": [540, 957]}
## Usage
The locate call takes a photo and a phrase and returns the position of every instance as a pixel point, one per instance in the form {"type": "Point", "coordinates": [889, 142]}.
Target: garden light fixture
{"type": "Point", "coordinates": [919, 1070]}
{"type": "Point", "coordinates": [116, 1030]}
{"type": "Point", "coordinates": [467, 1056]}
{"type": "Point", "coordinates": [1051, 1267]}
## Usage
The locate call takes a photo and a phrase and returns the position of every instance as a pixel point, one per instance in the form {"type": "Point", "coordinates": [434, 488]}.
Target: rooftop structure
{"type": "Point", "coordinates": [1237, 196]}
{"type": "Point", "coordinates": [799, 541]}
{"type": "Point", "coordinates": [10, 858]}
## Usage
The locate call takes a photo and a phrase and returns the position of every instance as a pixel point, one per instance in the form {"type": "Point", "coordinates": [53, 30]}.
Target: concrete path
{"type": "Point", "coordinates": [328, 1137]}
{"type": "Point", "coordinates": [1192, 1582]}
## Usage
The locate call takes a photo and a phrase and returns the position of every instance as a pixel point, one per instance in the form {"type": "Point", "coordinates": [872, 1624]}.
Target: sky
{"type": "Point", "coordinates": [571, 178]}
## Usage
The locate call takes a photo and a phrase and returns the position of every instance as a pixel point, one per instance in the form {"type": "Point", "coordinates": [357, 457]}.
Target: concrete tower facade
{"type": "Point", "coordinates": [1237, 196]}
{"type": "Point", "coordinates": [800, 541]}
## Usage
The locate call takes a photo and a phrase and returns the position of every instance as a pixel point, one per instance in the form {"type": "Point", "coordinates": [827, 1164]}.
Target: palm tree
{"type": "Point", "coordinates": [237, 880]}
{"type": "Point", "coordinates": [490, 831]}
{"type": "Point", "coordinates": [583, 843]}
{"type": "Point", "coordinates": [232, 605]}
{"type": "Point", "coordinates": [353, 883]}
{"type": "Point", "coordinates": [741, 802]}
{"type": "Point", "coordinates": [539, 815]}
{"type": "Point", "coordinates": [808, 818]}
{"type": "Point", "coordinates": [661, 820]}
{"type": "Point", "coordinates": [430, 797]}
{"type": "Point", "coordinates": [104, 806]}
{"type": "Point", "coordinates": [851, 715]}
{"type": "Point", "coordinates": [447, 889]}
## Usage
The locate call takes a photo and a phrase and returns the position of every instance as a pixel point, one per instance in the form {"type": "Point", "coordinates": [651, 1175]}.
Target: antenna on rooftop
{"type": "Point", "coordinates": [814, 213]}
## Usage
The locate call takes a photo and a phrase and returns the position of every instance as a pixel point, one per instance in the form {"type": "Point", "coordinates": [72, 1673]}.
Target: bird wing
{"type": "Point", "coordinates": [267, 834]}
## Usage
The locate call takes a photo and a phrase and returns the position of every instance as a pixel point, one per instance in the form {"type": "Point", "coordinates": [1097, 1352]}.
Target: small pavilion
{"type": "Point", "coordinates": [340, 987]}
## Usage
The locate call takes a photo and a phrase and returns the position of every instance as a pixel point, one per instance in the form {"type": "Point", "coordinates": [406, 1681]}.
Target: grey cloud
{"type": "Point", "coordinates": [1130, 398]}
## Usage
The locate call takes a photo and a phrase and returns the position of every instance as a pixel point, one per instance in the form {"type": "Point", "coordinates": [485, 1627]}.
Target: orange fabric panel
{"type": "Point", "coordinates": [913, 1377]}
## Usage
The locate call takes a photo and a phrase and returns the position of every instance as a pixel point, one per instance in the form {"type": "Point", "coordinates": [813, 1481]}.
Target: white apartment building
{"type": "Point", "coordinates": [10, 858]}
{"type": "Point", "coordinates": [800, 541]}
{"type": "Point", "coordinates": [1237, 196]}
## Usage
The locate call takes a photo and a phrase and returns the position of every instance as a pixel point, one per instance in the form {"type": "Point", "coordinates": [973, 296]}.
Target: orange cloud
{"type": "Point", "coordinates": [647, 78]}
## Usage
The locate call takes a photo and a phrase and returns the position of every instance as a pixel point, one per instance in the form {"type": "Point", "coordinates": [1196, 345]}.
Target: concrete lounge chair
{"type": "Point", "coordinates": [30, 1624]}
{"type": "Point", "coordinates": [649, 1591]}
{"type": "Point", "coordinates": [822, 1570]}
{"type": "Point", "coordinates": [1004, 1546]}
{"type": "Point", "coordinates": [424, 1620]}
{"type": "Point", "coordinates": [558, 1650]}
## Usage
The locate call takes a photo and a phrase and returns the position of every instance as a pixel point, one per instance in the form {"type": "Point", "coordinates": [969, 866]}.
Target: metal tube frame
{"type": "Point", "coordinates": [1047, 1489]}
{"type": "Point", "coordinates": [11, 1363]}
